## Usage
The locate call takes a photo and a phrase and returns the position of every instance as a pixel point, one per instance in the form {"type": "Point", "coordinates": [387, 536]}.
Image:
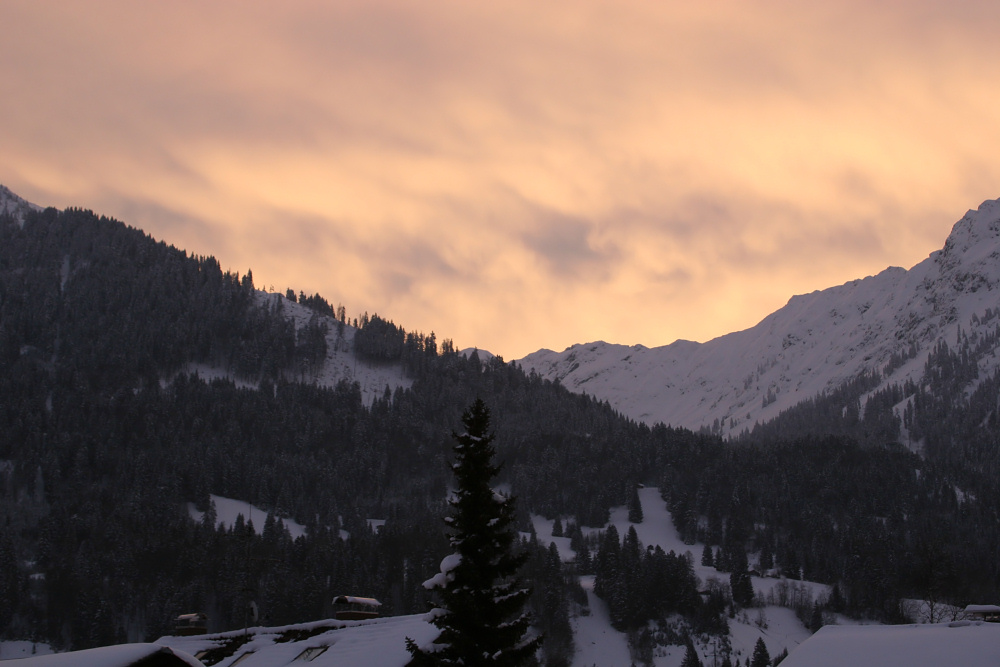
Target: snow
{"type": "Point", "coordinates": [352, 599]}
{"type": "Point", "coordinates": [777, 626]}
{"type": "Point", "coordinates": [963, 643]}
{"type": "Point", "coordinates": [814, 344]}
{"type": "Point", "coordinates": [227, 510]}
{"type": "Point", "coordinates": [543, 529]}
{"type": "Point", "coordinates": [22, 649]}
{"type": "Point", "coordinates": [340, 363]}
{"type": "Point", "coordinates": [121, 655]}
{"type": "Point", "coordinates": [448, 564]}
{"type": "Point", "coordinates": [374, 643]}
{"type": "Point", "coordinates": [597, 643]}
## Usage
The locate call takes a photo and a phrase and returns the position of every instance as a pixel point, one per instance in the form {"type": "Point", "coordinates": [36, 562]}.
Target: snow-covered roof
{"type": "Point", "coordinates": [352, 599]}
{"type": "Point", "coordinates": [982, 609]}
{"type": "Point", "coordinates": [121, 655]}
{"type": "Point", "coordinates": [374, 643]}
{"type": "Point", "coordinates": [966, 643]}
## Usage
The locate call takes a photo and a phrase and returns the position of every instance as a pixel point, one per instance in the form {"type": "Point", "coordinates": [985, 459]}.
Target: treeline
{"type": "Point", "coordinates": [381, 341]}
{"type": "Point", "coordinates": [112, 577]}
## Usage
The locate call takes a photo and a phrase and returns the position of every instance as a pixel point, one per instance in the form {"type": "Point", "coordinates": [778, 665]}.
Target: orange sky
{"type": "Point", "coordinates": [516, 175]}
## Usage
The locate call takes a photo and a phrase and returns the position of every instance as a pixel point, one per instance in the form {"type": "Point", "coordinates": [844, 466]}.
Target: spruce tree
{"type": "Point", "coordinates": [739, 579]}
{"type": "Point", "coordinates": [481, 612]}
{"type": "Point", "coordinates": [691, 658]}
{"type": "Point", "coordinates": [706, 556]}
{"type": "Point", "coordinates": [761, 658]}
{"type": "Point", "coordinates": [634, 506]}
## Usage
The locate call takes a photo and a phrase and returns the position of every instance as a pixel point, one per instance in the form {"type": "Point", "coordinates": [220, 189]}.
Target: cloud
{"type": "Point", "coordinates": [517, 175]}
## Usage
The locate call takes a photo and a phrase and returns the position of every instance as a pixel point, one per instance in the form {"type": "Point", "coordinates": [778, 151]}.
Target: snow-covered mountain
{"type": "Point", "coordinates": [885, 323]}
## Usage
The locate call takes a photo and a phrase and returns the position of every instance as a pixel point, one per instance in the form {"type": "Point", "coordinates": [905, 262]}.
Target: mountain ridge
{"type": "Point", "coordinates": [885, 323]}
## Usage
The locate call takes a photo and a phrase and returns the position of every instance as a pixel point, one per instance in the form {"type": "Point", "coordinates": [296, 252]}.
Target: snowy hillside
{"type": "Point", "coordinates": [341, 363]}
{"type": "Point", "coordinates": [814, 344]}
{"type": "Point", "coordinates": [14, 205]}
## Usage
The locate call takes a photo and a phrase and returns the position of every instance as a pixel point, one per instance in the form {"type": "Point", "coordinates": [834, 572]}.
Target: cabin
{"type": "Point", "coordinates": [352, 608]}
{"type": "Point", "coordinates": [186, 625]}
{"type": "Point", "coordinates": [983, 612]}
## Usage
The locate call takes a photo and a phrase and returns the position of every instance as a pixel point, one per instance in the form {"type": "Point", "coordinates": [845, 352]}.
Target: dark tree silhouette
{"type": "Point", "coordinates": [481, 613]}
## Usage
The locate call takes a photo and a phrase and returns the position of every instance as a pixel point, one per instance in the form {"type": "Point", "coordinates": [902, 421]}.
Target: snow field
{"type": "Point", "coordinates": [227, 510]}
{"type": "Point", "coordinates": [10, 650]}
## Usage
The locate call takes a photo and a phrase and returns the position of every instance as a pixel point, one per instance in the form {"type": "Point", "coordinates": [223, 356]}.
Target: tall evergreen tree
{"type": "Point", "coordinates": [760, 658]}
{"type": "Point", "coordinates": [739, 579]}
{"type": "Point", "coordinates": [691, 658]}
{"type": "Point", "coordinates": [634, 506]}
{"type": "Point", "coordinates": [481, 613]}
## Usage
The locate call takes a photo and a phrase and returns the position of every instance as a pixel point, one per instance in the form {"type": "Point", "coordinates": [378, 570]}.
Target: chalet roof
{"type": "Point", "coordinates": [966, 643]}
{"type": "Point", "coordinates": [353, 599]}
{"type": "Point", "coordinates": [121, 655]}
{"type": "Point", "coordinates": [982, 609]}
{"type": "Point", "coordinates": [377, 642]}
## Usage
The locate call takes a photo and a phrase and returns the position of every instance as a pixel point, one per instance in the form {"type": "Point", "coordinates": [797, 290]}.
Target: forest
{"type": "Point", "coordinates": [106, 435]}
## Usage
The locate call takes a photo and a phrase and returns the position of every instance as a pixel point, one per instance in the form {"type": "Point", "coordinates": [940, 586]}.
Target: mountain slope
{"type": "Point", "coordinates": [884, 324]}
{"type": "Point", "coordinates": [11, 204]}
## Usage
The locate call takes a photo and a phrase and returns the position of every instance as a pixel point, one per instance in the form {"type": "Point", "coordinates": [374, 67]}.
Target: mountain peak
{"type": "Point", "coordinates": [976, 227]}
{"type": "Point", "coordinates": [881, 325]}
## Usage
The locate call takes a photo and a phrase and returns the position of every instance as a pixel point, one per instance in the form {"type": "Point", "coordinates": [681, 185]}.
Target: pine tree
{"type": "Point", "coordinates": [691, 658]}
{"type": "Point", "coordinates": [760, 658]}
{"type": "Point", "coordinates": [706, 556]}
{"type": "Point", "coordinates": [480, 615]}
{"type": "Point", "coordinates": [606, 564]}
{"type": "Point", "coordinates": [739, 579]}
{"type": "Point", "coordinates": [634, 506]}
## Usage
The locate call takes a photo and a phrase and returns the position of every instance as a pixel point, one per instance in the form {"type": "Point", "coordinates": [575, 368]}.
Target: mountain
{"type": "Point", "coordinates": [881, 327]}
{"type": "Point", "coordinates": [143, 390]}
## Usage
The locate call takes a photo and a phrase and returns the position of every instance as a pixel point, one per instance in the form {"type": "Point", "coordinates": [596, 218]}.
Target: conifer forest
{"type": "Point", "coordinates": [107, 435]}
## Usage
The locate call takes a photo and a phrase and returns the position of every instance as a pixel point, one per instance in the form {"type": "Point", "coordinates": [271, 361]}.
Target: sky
{"type": "Point", "coordinates": [515, 175]}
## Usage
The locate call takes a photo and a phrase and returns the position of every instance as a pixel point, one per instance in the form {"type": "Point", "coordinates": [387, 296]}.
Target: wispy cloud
{"type": "Point", "coordinates": [516, 175]}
